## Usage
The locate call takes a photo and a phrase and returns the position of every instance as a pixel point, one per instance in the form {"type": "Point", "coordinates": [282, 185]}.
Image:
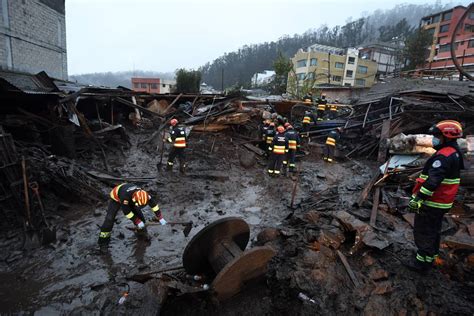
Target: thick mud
{"type": "Point", "coordinates": [72, 276]}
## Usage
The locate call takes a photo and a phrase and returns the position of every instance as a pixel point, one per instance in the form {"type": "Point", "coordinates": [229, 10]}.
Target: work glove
{"type": "Point", "coordinates": [162, 221]}
{"type": "Point", "coordinates": [415, 204]}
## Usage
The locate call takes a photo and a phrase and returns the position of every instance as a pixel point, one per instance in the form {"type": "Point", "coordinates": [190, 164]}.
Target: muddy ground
{"type": "Point", "coordinates": [71, 276]}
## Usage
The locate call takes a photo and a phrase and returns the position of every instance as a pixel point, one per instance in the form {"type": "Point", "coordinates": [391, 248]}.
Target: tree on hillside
{"type": "Point", "coordinates": [282, 66]}
{"type": "Point", "coordinates": [188, 81]}
{"type": "Point", "coordinates": [416, 48]}
{"type": "Point", "coordinates": [400, 30]}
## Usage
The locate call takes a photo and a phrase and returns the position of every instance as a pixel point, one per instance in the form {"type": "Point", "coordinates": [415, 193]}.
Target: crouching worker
{"type": "Point", "coordinates": [131, 199]}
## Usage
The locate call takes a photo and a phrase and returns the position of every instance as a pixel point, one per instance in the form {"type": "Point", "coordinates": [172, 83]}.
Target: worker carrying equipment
{"type": "Point", "coordinates": [269, 134]}
{"type": "Point", "coordinates": [321, 109]}
{"type": "Point", "coordinates": [293, 139]}
{"type": "Point", "coordinates": [278, 149]}
{"type": "Point", "coordinates": [177, 136]}
{"type": "Point", "coordinates": [331, 141]}
{"type": "Point", "coordinates": [434, 192]}
{"type": "Point", "coordinates": [131, 199]}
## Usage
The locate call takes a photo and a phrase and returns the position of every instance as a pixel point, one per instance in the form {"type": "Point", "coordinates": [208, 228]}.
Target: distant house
{"type": "Point", "coordinates": [152, 85]}
{"type": "Point", "coordinates": [441, 26]}
{"type": "Point", "coordinates": [321, 65]}
{"type": "Point", "coordinates": [262, 78]}
{"type": "Point", "coordinates": [386, 55]}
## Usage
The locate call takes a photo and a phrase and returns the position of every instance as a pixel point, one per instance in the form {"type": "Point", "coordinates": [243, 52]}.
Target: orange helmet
{"type": "Point", "coordinates": [173, 122]}
{"type": "Point", "coordinates": [447, 128]}
{"type": "Point", "coordinates": [280, 129]}
{"type": "Point", "coordinates": [140, 198]}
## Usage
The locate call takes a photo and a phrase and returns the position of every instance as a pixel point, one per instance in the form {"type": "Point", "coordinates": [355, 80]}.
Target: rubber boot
{"type": "Point", "coordinates": [169, 167]}
{"type": "Point", "coordinates": [182, 168]}
{"type": "Point", "coordinates": [103, 244]}
{"type": "Point", "coordinates": [418, 266]}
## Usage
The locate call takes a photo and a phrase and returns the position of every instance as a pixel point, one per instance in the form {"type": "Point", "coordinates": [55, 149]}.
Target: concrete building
{"type": "Point", "coordinates": [321, 65]}
{"type": "Point", "coordinates": [33, 36]}
{"type": "Point", "coordinates": [386, 55]}
{"type": "Point", "coordinates": [441, 26]}
{"type": "Point", "coordinates": [152, 85]}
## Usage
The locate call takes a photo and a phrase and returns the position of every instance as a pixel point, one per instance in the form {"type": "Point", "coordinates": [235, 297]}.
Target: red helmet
{"type": "Point", "coordinates": [140, 198]}
{"type": "Point", "coordinates": [447, 128]}
{"type": "Point", "coordinates": [173, 122]}
{"type": "Point", "coordinates": [287, 124]}
{"type": "Point", "coordinates": [280, 129]}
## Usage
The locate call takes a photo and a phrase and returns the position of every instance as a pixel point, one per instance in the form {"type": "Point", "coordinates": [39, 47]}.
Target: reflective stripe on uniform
{"type": "Point", "coordinates": [292, 165]}
{"type": "Point", "coordinates": [429, 259]}
{"type": "Point", "coordinates": [426, 191]}
{"type": "Point", "coordinates": [155, 208]}
{"type": "Point", "coordinates": [129, 215]}
{"type": "Point", "coordinates": [279, 149]}
{"type": "Point", "coordinates": [180, 142]}
{"type": "Point", "coordinates": [438, 205]}
{"type": "Point", "coordinates": [277, 171]}
{"type": "Point", "coordinates": [170, 163]}
{"type": "Point", "coordinates": [269, 139]}
{"type": "Point", "coordinates": [292, 144]}
{"type": "Point", "coordinates": [114, 193]}
{"type": "Point", "coordinates": [104, 234]}
{"type": "Point", "coordinates": [420, 257]}
{"type": "Point", "coordinates": [321, 107]}
{"type": "Point", "coordinates": [329, 159]}
{"type": "Point", "coordinates": [270, 171]}
{"type": "Point", "coordinates": [331, 141]}
{"type": "Point", "coordinates": [306, 120]}
{"type": "Point", "coordinates": [451, 181]}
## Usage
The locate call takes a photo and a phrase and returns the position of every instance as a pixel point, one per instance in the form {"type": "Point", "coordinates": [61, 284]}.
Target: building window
{"type": "Point", "coordinates": [144, 85]}
{"type": "Point", "coordinates": [347, 84]}
{"type": "Point", "coordinates": [154, 86]}
{"type": "Point", "coordinates": [337, 78]}
{"type": "Point", "coordinates": [444, 28]}
{"type": "Point", "coordinates": [136, 85]}
{"type": "Point", "coordinates": [360, 82]}
{"type": "Point", "coordinates": [362, 69]}
{"type": "Point", "coordinates": [349, 73]}
{"type": "Point", "coordinates": [471, 15]}
{"type": "Point", "coordinates": [469, 28]}
{"type": "Point", "coordinates": [444, 48]}
{"type": "Point", "coordinates": [300, 76]}
{"type": "Point", "coordinates": [339, 65]}
{"type": "Point", "coordinates": [442, 39]}
{"type": "Point", "coordinates": [301, 63]}
{"type": "Point", "coordinates": [435, 19]}
{"type": "Point", "coordinates": [447, 16]}
{"type": "Point", "coordinates": [352, 60]}
{"type": "Point", "coordinates": [313, 62]}
{"type": "Point", "coordinates": [471, 44]}
{"type": "Point", "coordinates": [164, 86]}
{"type": "Point", "coordinates": [310, 76]}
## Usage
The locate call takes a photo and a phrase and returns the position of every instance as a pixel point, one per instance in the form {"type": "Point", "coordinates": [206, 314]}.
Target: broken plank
{"type": "Point", "coordinates": [107, 177]}
{"type": "Point", "coordinates": [365, 193]}
{"type": "Point", "coordinates": [460, 242]}
{"type": "Point", "coordinates": [375, 207]}
{"type": "Point", "coordinates": [348, 268]}
{"type": "Point", "coordinates": [136, 106]}
{"type": "Point", "coordinates": [254, 149]}
{"type": "Point", "coordinates": [383, 145]}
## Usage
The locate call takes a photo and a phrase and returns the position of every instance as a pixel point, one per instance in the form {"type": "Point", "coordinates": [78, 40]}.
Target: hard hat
{"type": "Point", "coordinates": [280, 129]}
{"type": "Point", "coordinates": [447, 128]}
{"type": "Point", "coordinates": [289, 126]}
{"type": "Point", "coordinates": [140, 198]}
{"type": "Point", "coordinates": [272, 124]}
{"type": "Point", "coordinates": [173, 122]}
{"type": "Point", "coordinates": [286, 124]}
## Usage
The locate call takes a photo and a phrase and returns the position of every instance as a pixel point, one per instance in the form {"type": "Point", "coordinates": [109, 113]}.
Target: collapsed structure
{"type": "Point", "coordinates": [337, 232]}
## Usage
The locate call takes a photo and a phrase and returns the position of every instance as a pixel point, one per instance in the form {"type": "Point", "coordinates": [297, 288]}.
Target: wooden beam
{"type": "Point", "coordinates": [348, 268]}
{"type": "Point", "coordinates": [375, 207]}
{"type": "Point", "coordinates": [136, 106]}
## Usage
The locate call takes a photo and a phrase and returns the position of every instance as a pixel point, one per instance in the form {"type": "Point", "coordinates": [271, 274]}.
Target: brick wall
{"type": "Point", "coordinates": [38, 37]}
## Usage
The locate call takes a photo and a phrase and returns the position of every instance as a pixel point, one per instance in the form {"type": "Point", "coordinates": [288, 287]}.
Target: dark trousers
{"type": "Point", "coordinates": [177, 152]}
{"type": "Point", "coordinates": [328, 154]}
{"type": "Point", "coordinates": [112, 210]}
{"type": "Point", "coordinates": [290, 160]}
{"type": "Point", "coordinates": [332, 115]}
{"type": "Point", "coordinates": [320, 114]}
{"type": "Point", "coordinates": [275, 162]}
{"type": "Point", "coordinates": [427, 231]}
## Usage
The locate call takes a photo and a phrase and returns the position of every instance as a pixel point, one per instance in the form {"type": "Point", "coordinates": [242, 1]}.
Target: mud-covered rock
{"type": "Point", "coordinates": [267, 235]}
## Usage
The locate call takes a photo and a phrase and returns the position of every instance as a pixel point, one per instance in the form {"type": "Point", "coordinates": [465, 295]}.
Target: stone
{"type": "Point", "coordinates": [470, 261]}
{"type": "Point", "coordinates": [368, 260]}
{"type": "Point", "coordinates": [383, 288]}
{"type": "Point", "coordinates": [267, 235]}
{"type": "Point", "coordinates": [378, 274]}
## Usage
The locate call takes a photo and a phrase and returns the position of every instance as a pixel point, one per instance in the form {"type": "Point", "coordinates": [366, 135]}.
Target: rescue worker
{"type": "Point", "coordinates": [263, 131]}
{"type": "Point", "coordinates": [178, 138]}
{"type": "Point", "coordinates": [434, 192]}
{"type": "Point", "coordinates": [278, 149]}
{"type": "Point", "coordinates": [308, 98]}
{"type": "Point", "coordinates": [293, 139]}
{"type": "Point", "coordinates": [307, 120]}
{"type": "Point", "coordinates": [331, 141]}
{"type": "Point", "coordinates": [270, 133]}
{"type": "Point", "coordinates": [332, 111]}
{"type": "Point", "coordinates": [131, 199]}
{"type": "Point", "coordinates": [321, 109]}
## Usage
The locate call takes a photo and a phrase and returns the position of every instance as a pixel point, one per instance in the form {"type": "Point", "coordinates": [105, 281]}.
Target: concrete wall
{"type": "Point", "coordinates": [33, 36]}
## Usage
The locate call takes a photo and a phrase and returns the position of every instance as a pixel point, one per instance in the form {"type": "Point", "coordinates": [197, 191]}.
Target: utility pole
{"type": "Point", "coordinates": [329, 68]}
{"type": "Point", "coordinates": [222, 81]}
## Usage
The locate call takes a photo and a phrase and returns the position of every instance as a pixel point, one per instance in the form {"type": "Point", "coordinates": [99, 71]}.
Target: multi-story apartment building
{"type": "Point", "coordinates": [386, 55]}
{"type": "Point", "coordinates": [322, 65]}
{"type": "Point", "coordinates": [152, 85]}
{"type": "Point", "coordinates": [33, 36]}
{"type": "Point", "coordinates": [441, 26]}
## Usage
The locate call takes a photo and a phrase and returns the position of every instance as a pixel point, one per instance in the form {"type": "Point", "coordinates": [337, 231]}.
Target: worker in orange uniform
{"type": "Point", "coordinates": [131, 199]}
{"type": "Point", "coordinates": [293, 139]}
{"type": "Point", "coordinates": [434, 193]}
{"type": "Point", "coordinates": [278, 149]}
{"type": "Point", "coordinates": [178, 138]}
{"type": "Point", "coordinates": [331, 141]}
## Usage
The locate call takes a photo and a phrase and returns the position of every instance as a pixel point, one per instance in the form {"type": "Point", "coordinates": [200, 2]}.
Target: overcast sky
{"type": "Point", "coordinates": [163, 35]}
